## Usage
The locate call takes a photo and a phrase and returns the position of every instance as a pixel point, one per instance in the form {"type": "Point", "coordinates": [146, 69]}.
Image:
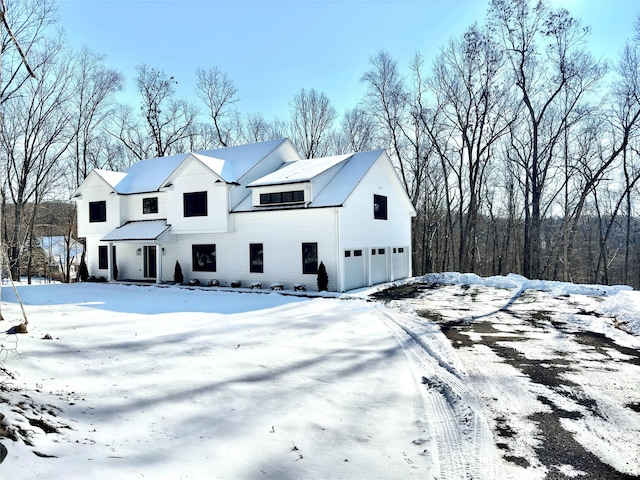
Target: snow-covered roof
{"type": "Point", "coordinates": [229, 163]}
{"type": "Point", "coordinates": [300, 171]}
{"type": "Point", "coordinates": [334, 178]}
{"type": "Point", "coordinates": [139, 230]}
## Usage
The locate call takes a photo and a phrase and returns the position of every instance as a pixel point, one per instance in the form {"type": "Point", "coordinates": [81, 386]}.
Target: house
{"type": "Point", "coordinates": [60, 253]}
{"type": "Point", "coordinates": [255, 214]}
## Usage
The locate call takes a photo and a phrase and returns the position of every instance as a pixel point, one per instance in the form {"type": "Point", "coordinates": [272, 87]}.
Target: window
{"type": "Point", "coordinates": [150, 205]}
{"type": "Point", "coordinates": [347, 253]}
{"type": "Point", "coordinates": [103, 257]}
{"type": "Point", "coordinates": [98, 211]}
{"type": "Point", "coordinates": [309, 258]}
{"type": "Point", "coordinates": [379, 207]}
{"type": "Point", "coordinates": [256, 258]}
{"type": "Point", "coordinates": [203, 258]}
{"type": "Point", "coordinates": [295, 196]}
{"type": "Point", "coordinates": [357, 253]}
{"type": "Point", "coordinates": [195, 204]}
{"type": "Point", "coordinates": [381, 251]}
{"type": "Point", "coordinates": [401, 250]}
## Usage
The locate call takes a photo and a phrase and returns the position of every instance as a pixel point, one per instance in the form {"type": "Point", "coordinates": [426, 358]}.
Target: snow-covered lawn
{"type": "Point", "coordinates": [169, 382]}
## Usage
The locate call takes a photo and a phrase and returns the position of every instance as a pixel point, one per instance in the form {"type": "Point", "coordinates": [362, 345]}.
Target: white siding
{"type": "Point", "coordinates": [132, 207]}
{"type": "Point", "coordinates": [281, 233]}
{"type": "Point", "coordinates": [197, 178]}
{"type": "Point", "coordinates": [96, 194]}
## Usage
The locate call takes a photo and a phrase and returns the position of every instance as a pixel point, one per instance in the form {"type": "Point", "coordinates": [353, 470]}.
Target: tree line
{"type": "Point", "coordinates": [517, 146]}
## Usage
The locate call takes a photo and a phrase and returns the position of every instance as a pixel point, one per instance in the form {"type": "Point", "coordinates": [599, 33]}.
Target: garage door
{"type": "Point", "coordinates": [379, 262]}
{"type": "Point", "coordinates": [354, 268]}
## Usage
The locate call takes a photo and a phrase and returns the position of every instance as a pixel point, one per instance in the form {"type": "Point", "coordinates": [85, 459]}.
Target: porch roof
{"type": "Point", "coordinates": [138, 230]}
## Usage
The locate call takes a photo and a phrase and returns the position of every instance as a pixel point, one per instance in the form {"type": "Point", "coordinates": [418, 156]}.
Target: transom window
{"type": "Point", "coordinates": [98, 211]}
{"type": "Point", "coordinates": [195, 204]}
{"type": "Point", "coordinates": [294, 196]}
{"type": "Point", "coordinates": [379, 207]}
{"type": "Point", "coordinates": [150, 205]}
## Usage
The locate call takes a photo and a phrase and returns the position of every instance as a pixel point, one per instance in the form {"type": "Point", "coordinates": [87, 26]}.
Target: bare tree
{"type": "Point", "coordinates": [168, 120]}
{"type": "Point", "coordinates": [468, 82]}
{"type": "Point", "coordinates": [219, 94]}
{"type": "Point", "coordinates": [93, 104]}
{"type": "Point", "coordinates": [311, 119]}
{"type": "Point", "coordinates": [35, 134]}
{"type": "Point", "coordinates": [552, 74]}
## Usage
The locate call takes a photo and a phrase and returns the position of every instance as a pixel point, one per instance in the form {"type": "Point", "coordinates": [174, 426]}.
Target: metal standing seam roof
{"type": "Point", "coordinates": [137, 230]}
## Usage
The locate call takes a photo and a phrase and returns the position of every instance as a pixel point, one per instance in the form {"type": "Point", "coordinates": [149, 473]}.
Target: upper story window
{"type": "Point", "coordinates": [379, 207]}
{"type": "Point", "coordinates": [295, 196]}
{"type": "Point", "coordinates": [98, 211]}
{"type": "Point", "coordinates": [150, 205]}
{"type": "Point", "coordinates": [195, 204]}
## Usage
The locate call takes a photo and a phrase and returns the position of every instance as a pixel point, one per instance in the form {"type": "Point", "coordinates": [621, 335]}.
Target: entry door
{"type": "Point", "coordinates": [150, 261]}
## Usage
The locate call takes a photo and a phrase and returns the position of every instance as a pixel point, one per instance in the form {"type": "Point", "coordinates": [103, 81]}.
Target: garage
{"type": "Point", "coordinates": [354, 268]}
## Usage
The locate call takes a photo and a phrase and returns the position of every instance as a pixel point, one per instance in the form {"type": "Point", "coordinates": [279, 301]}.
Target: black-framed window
{"type": "Point", "coordinates": [203, 258]}
{"type": "Point", "coordinates": [347, 253]}
{"type": "Point", "coordinates": [309, 258]}
{"type": "Point", "coordinates": [195, 204]}
{"type": "Point", "coordinates": [103, 257]}
{"type": "Point", "coordinates": [294, 196]}
{"type": "Point", "coordinates": [357, 253]}
{"type": "Point", "coordinates": [98, 211]}
{"type": "Point", "coordinates": [150, 205]}
{"type": "Point", "coordinates": [379, 207]}
{"type": "Point", "coordinates": [256, 258]}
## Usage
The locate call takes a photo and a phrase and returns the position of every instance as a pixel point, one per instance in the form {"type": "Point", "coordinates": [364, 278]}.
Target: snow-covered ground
{"type": "Point", "coordinates": [169, 382]}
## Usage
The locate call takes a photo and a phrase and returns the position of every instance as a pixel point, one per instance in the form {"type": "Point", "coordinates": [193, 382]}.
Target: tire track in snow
{"type": "Point", "coordinates": [465, 443]}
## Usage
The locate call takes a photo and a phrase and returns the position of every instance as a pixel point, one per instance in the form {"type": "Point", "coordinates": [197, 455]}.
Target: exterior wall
{"type": "Point", "coordinates": [359, 230]}
{"type": "Point", "coordinates": [131, 207]}
{"type": "Point", "coordinates": [197, 178]}
{"type": "Point", "coordinates": [97, 192]}
{"type": "Point", "coordinates": [281, 233]}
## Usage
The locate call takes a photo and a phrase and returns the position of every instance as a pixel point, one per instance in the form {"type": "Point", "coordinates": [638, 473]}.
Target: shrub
{"type": "Point", "coordinates": [323, 278]}
{"type": "Point", "coordinates": [178, 277]}
{"type": "Point", "coordinates": [84, 271]}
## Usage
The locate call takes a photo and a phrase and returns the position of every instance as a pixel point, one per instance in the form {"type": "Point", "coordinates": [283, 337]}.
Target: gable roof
{"type": "Point", "coordinates": [229, 163]}
{"type": "Point", "coordinates": [334, 178]}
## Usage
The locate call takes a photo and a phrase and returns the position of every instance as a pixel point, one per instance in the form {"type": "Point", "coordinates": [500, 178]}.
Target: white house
{"type": "Point", "coordinates": [254, 213]}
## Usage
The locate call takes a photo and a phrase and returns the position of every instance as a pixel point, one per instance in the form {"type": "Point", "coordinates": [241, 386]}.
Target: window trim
{"type": "Point", "coordinates": [380, 207]}
{"type": "Point", "coordinates": [256, 251]}
{"type": "Point", "coordinates": [149, 205]}
{"type": "Point", "coordinates": [278, 198]}
{"type": "Point", "coordinates": [210, 251]}
{"type": "Point", "coordinates": [308, 267]}
{"type": "Point", "coordinates": [103, 257]}
{"type": "Point", "coordinates": [187, 197]}
{"type": "Point", "coordinates": [98, 211]}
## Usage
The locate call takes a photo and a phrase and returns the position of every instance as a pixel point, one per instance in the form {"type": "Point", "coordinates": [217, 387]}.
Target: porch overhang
{"type": "Point", "coordinates": [142, 231]}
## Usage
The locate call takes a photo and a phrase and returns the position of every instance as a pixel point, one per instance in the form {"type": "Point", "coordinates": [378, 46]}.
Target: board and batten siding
{"type": "Point", "coordinates": [197, 178]}
{"type": "Point", "coordinates": [132, 206]}
{"type": "Point", "coordinates": [281, 235]}
{"type": "Point", "coordinates": [98, 193]}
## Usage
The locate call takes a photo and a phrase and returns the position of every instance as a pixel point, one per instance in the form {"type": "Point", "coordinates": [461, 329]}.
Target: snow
{"type": "Point", "coordinates": [176, 382]}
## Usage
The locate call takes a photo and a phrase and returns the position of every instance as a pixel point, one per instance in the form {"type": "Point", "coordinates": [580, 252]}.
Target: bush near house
{"type": "Point", "coordinates": [323, 278]}
{"type": "Point", "coordinates": [178, 277]}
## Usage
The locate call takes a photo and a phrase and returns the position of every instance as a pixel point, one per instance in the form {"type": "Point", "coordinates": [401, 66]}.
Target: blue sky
{"type": "Point", "coordinates": [273, 48]}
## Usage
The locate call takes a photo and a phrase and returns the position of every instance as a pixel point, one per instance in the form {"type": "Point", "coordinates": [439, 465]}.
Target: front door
{"type": "Point", "coordinates": [150, 261]}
